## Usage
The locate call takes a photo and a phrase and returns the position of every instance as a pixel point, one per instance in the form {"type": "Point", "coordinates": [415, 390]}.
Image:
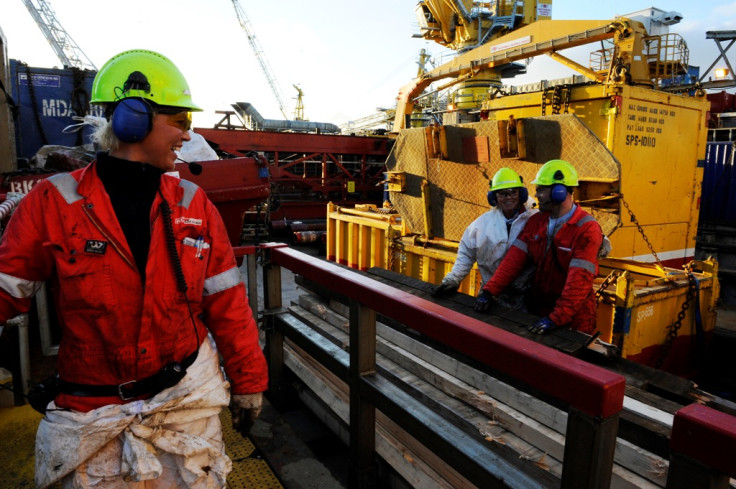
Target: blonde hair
{"type": "Point", "coordinates": [103, 137]}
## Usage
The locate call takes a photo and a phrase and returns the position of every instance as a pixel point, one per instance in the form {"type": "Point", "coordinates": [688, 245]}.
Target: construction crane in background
{"type": "Point", "coordinates": [258, 51]}
{"type": "Point", "coordinates": [299, 109]}
{"type": "Point", "coordinates": [61, 42]}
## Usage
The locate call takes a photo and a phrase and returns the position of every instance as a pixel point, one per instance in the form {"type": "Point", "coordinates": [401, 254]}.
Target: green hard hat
{"type": "Point", "coordinates": [144, 74]}
{"type": "Point", "coordinates": [557, 171]}
{"type": "Point", "coordinates": [506, 178]}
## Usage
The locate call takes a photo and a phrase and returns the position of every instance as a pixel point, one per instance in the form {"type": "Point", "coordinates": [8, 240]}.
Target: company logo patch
{"type": "Point", "coordinates": [188, 220]}
{"type": "Point", "coordinates": [95, 247]}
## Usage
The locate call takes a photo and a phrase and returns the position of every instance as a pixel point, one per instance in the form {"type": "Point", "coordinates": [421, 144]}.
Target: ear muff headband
{"type": "Point", "coordinates": [132, 120]}
{"type": "Point", "coordinates": [523, 196]}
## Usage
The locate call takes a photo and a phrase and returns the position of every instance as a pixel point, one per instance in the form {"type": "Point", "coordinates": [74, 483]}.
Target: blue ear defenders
{"type": "Point", "coordinates": [558, 194]}
{"type": "Point", "coordinates": [523, 196]}
{"type": "Point", "coordinates": [132, 120]}
{"type": "Point", "coordinates": [491, 196]}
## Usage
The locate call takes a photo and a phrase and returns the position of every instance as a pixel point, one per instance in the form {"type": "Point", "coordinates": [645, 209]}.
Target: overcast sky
{"type": "Point", "coordinates": [349, 57]}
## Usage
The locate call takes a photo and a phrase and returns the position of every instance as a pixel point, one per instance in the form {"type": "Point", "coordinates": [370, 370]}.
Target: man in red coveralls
{"type": "Point", "coordinates": [145, 285]}
{"type": "Point", "coordinates": [563, 243]}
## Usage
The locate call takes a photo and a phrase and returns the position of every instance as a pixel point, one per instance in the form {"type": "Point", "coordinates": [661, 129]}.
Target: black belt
{"type": "Point", "coordinates": [167, 377]}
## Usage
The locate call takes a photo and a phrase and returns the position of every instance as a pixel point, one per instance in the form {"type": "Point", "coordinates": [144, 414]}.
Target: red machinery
{"type": "Point", "coordinates": [234, 186]}
{"type": "Point", "coordinates": [308, 170]}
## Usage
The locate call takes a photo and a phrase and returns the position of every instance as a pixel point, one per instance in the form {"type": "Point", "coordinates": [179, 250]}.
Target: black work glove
{"type": "Point", "coordinates": [245, 409]}
{"type": "Point", "coordinates": [484, 301]}
{"type": "Point", "coordinates": [443, 289]}
{"type": "Point", "coordinates": [542, 326]}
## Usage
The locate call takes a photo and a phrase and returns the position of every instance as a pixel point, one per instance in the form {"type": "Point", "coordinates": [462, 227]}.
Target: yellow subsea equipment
{"type": "Point", "coordinates": [639, 152]}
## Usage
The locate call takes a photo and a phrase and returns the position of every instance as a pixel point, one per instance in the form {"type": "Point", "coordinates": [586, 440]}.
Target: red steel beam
{"type": "Point", "coordinates": [590, 389]}
{"type": "Point", "coordinates": [242, 141]}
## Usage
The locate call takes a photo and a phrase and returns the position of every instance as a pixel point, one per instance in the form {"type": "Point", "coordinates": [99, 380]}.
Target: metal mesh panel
{"type": "Point", "coordinates": [457, 188]}
{"type": "Point", "coordinates": [409, 154]}
{"type": "Point", "coordinates": [608, 221]}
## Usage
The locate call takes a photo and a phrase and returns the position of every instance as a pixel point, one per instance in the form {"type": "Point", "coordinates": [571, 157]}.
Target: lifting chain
{"type": "Point", "coordinates": [544, 101]}
{"type": "Point", "coordinates": [641, 231]}
{"type": "Point", "coordinates": [390, 251]}
{"type": "Point", "coordinates": [556, 100]}
{"type": "Point", "coordinates": [612, 278]}
{"type": "Point", "coordinates": [675, 328]}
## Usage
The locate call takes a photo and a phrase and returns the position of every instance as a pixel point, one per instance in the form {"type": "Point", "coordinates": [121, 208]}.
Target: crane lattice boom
{"type": "Point", "coordinates": [253, 41]}
{"type": "Point", "coordinates": [61, 42]}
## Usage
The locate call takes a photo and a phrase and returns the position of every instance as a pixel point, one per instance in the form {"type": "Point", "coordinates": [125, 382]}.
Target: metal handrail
{"type": "Point", "coordinates": [591, 389]}
{"type": "Point", "coordinates": [593, 396]}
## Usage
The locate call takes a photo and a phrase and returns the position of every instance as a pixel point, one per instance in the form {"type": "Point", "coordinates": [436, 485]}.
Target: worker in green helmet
{"type": "Point", "coordinates": [149, 297]}
{"type": "Point", "coordinates": [563, 242]}
{"type": "Point", "coordinates": [487, 239]}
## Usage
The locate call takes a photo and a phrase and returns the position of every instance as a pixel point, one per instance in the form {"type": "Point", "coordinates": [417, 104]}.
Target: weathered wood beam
{"type": "Point", "coordinates": [525, 432]}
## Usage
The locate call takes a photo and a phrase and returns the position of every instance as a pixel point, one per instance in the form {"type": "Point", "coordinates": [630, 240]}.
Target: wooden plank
{"type": "Point", "coordinates": [395, 449]}
{"type": "Point", "coordinates": [648, 412]}
{"type": "Point", "coordinates": [479, 424]}
{"type": "Point", "coordinates": [498, 414]}
{"type": "Point", "coordinates": [526, 426]}
{"type": "Point", "coordinates": [415, 463]}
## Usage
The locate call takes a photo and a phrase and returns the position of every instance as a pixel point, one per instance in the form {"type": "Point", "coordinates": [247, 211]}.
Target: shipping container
{"type": "Point", "coordinates": [48, 99]}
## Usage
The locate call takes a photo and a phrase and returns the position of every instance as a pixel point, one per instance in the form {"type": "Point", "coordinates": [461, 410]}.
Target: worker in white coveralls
{"type": "Point", "coordinates": [486, 239]}
{"type": "Point", "coordinates": [145, 285]}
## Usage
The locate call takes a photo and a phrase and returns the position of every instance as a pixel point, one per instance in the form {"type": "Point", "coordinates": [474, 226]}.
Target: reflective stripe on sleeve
{"type": "Point", "coordinates": [18, 287]}
{"type": "Point", "coordinates": [222, 281]}
{"type": "Point", "coordinates": [584, 264]}
{"type": "Point", "coordinates": [67, 187]}
{"type": "Point", "coordinates": [521, 245]}
{"type": "Point", "coordinates": [189, 190]}
{"type": "Point", "coordinates": [585, 219]}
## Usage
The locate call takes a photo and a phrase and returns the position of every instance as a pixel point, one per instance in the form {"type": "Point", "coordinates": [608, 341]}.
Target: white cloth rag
{"type": "Point", "coordinates": [177, 422]}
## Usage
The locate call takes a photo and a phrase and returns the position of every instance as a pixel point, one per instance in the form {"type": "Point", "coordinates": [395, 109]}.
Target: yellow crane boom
{"type": "Point", "coordinates": [541, 37]}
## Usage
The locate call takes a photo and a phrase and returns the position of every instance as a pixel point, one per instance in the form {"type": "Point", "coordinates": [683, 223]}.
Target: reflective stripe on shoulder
{"type": "Point", "coordinates": [189, 190]}
{"type": "Point", "coordinates": [222, 281]}
{"type": "Point", "coordinates": [585, 219]}
{"type": "Point", "coordinates": [18, 287]}
{"type": "Point", "coordinates": [521, 245]}
{"type": "Point", "coordinates": [584, 264]}
{"type": "Point", "coordinates": [67, 187]}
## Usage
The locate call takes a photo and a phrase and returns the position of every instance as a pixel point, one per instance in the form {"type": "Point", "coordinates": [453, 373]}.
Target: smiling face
{"type": "Point", "coordinates": [508, 201]}
{"type": "Point", "coordinates": [168, 133]}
